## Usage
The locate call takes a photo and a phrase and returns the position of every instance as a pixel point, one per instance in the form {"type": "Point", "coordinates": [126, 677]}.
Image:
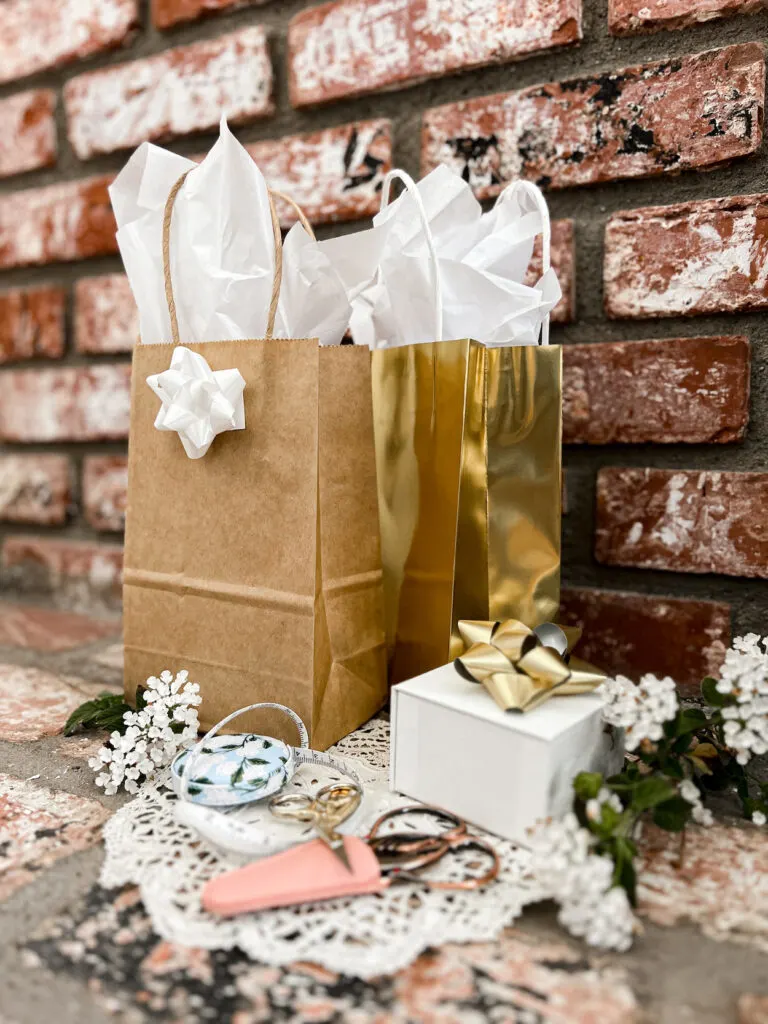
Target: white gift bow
{"type": "Point", "coordinates": [198, 403]}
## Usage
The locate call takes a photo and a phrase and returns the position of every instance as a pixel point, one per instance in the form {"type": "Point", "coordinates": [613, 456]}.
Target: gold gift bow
{"type": "Point", "coordinates": [521, 667]}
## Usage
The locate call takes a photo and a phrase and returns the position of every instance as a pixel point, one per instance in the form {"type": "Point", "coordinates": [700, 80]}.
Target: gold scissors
{"type": "Point", "coordinates": [329, 807]}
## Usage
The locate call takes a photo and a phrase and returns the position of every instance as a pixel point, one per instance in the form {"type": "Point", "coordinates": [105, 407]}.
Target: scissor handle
{"type": "Point", "coordinates": [293, 806]}
{"type": "Point", "coordinates": [410, 871]}
{"type": "Point", "coordinates": [456, 829]}
{"type": "Point", "coordinates": [338, 801]}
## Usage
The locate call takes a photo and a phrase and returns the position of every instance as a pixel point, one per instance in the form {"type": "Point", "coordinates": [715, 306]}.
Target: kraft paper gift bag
{"type": "Point", "coordinates": [257, 566]}
{"type": "Point", "coordinates": [468, 433]}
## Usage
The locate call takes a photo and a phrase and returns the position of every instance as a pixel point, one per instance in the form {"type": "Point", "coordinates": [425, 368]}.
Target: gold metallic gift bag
{"type": "Point", "coordinates": [257, 567]}
{"type": "Point", "coordinates": [468, 450]}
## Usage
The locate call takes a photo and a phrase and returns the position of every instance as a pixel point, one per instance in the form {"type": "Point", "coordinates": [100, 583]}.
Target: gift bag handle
{"type": "Point", "coordinates": [411, 188]}
{"type": "Point", "coordinates": [278, 274]}
{"type": "Point", "coordinates": [528, 188]}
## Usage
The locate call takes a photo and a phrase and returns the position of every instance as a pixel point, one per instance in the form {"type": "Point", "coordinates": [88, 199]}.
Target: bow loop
{"type": "Point", "coordinates": [198, 403]}
{"type": "Point", "coordinates": [520, 667]}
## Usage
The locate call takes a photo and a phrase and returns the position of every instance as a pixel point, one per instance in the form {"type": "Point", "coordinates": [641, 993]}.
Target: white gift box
{"type": "Point", "coordinates": [452, 746]}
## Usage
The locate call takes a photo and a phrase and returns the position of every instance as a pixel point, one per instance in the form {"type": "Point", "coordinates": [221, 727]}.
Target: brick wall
{"type": "Point", "coordinates": [644, 122]}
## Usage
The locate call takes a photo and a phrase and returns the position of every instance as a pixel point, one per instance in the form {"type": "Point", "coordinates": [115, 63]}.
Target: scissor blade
{"type": "Point", "coordinates": [335, 842]}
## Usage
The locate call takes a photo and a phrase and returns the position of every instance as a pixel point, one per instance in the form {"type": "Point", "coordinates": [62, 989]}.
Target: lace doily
{"type": "Point", "coordinates": [366, 935]}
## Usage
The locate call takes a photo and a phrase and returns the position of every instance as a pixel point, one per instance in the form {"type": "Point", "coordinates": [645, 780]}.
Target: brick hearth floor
{"type": "Point", "coordinates": [72, 951]}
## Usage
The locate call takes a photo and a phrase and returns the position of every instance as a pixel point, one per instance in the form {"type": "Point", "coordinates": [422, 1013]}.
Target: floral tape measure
{"type": "Point", "coordinates": [221, 773]}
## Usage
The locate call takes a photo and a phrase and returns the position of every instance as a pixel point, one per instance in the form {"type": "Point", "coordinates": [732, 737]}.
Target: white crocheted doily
{"type": "Point", "coordinates": [364, 936]}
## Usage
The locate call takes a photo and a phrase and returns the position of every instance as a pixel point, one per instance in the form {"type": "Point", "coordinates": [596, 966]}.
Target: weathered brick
{"type": "Point", "coordinates": [106, 316]}
{"type": "Point", "coordinates": [670, 116]}
{"type": "Point", "coordinates": [683, 520]}
{"type": "Point", "coordinates": [105, 487]}
{"type": "Point", "coordinates": [68, 221]}
{"type": "Point", "coordinates": [38, 827]}
{"type": "Point", "coordinates": [166, 13]}
{"type": "Point", "coordinates": [334, 175]}
{"type": "Point", "coordinates": [32, 323]}
{"type": "Point", "coordinates": [34, 488]}
{"type": "Point", "coordinates": [721, 885]}
{"type": "Point", "coordinates": [179, 91]}
{"type": "Point", "coordinates": [80, 576]}
{"type": "Point", "coordinates": [709, 256]}
{"type": "Point", "coordinates": [358, 46]}
{"type": "Point", "coordinates": [666, 391]}
{"type": "Point", "coordinates": [563, 256]}
{"type": "Point", "coordinates": [39, 34]}
{"type": "Point", "coordinates": [627, 17]}
{"type": "Point", "coordinates": [27, 131]}
{"type": "Point", "coordinates": [636, 633]}
{"type": "Point", "coordinates": [42, 629]}
{"type": "Point", "coordinates": [70, 404]}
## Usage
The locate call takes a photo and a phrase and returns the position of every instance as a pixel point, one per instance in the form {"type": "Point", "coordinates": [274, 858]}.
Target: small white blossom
{"type": "Point", "coordinates": [689, 791]}
{"type": "Point", "coordinates": [641, 710]}
{"type": "Point", "coordinates": [758, 818]}
{"type": "Point", "coordinates": [744, 675]}
{"type": "Point", "coordinates": [591, 907]}
{"type": "Point", "coordinates": [605, 798]}
{"type": "Point", "coordinates": [153, 735]}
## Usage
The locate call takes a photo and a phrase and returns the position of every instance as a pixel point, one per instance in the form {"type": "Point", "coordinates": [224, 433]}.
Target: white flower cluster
{"type": "Point", "coordinates": [153, 735]}
{"type": "Point", "coordinates": [641, 710]}
{"type": "Point", "coordinates": [689, 791]}
{"type": "Point", "coordinates": [591, 907]}
{"type": "Point", "coordinates": [744, 675]}
{"type": "Point", "coordinates": [605, 797]}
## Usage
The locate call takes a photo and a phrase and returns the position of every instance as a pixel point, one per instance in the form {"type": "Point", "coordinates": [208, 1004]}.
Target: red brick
{"type": "Point", "coordinates": [683, 520]}
{"type": "Point", "coordinates": [709, 256]}
{"type": "Point", "coordinates": [635, 633]}
{"type": "Point", "coordinates": [70, 404]}
{"type": "Point", "coordinates": [666, 391]}
{"type": "Point", "coordinates": [628, 17]}
{"type": "Point", "coordinates": [34, 488]}
{"type": "Point", "coordinates": [68, 221]}
{"type": "Point", "coordinates": [27, 131]}
{"type": "Point", "coordinates": [166, 13]}
{"type": "Point", "coordinates": [78, 575]}
{"type": "Point", "coordinates": [42, 629]}
{"type": "Point", "coordinates": [179, 91]}
{"type": "Point", "coordinates": [105, 489]}
{"type": "Point", "coordinates": [563, 257]}
{"type": "Point", "coordinates": [106, 317]}
{"type": "Point", "coordinates": [359, 46]}
{"type": "Point", "coordinates": [39, 34]}
{"type": "Point", "coordinates": [334, 175]}
{"type": "Point", "coordinates": [674, 115]}
{"type": "Point", "coordinates": [32, 323]}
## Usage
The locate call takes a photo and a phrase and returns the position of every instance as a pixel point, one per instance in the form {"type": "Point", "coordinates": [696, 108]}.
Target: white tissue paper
{"type": "Point", "coordinates": [222, 251]}
{"type": "Point", "coordinates": [197, 402]}
{"type": "Point", "coordinates": [482, 261]}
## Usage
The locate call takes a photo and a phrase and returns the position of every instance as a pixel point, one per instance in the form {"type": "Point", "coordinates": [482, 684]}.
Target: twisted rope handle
{"type": "Point", "coordinates": [277, 278]}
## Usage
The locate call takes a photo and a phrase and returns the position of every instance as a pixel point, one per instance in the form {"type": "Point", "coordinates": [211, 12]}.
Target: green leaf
{"type": "Point", "coordinates": [712, 696]}
{"type": "Point", "coordinates": [650, 792]}
{"type": "Point", "coordinates": [690, 720]}
{"type": "Point", "coordinates": [239, 773]}
{"type": "Point", "coordinates": [672, 815]}
{"type": "Point", "coordinates": [141, 701]}
{"type": "Point", "coordinates": [104, 712]}
{"type": "Point", "coordinates": [587, 785]}
{"type": "Point", "coordinates": [256, 760]}
{"type": "Point", "coordinates": [194, 790]}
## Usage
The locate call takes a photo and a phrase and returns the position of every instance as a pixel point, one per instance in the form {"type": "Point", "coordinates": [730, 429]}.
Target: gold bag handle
{"type": "Point", "coordinates": [278, 238]}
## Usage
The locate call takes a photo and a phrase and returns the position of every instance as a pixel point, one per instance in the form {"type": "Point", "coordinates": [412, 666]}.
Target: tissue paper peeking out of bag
{"type": "Point", "coordinates": [222, 251]}
{"type": "Point", "coordinates": [482, 261]}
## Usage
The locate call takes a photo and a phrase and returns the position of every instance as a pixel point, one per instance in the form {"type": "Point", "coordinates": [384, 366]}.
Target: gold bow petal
{"type": "Point", "coordinates": [517, 669]}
